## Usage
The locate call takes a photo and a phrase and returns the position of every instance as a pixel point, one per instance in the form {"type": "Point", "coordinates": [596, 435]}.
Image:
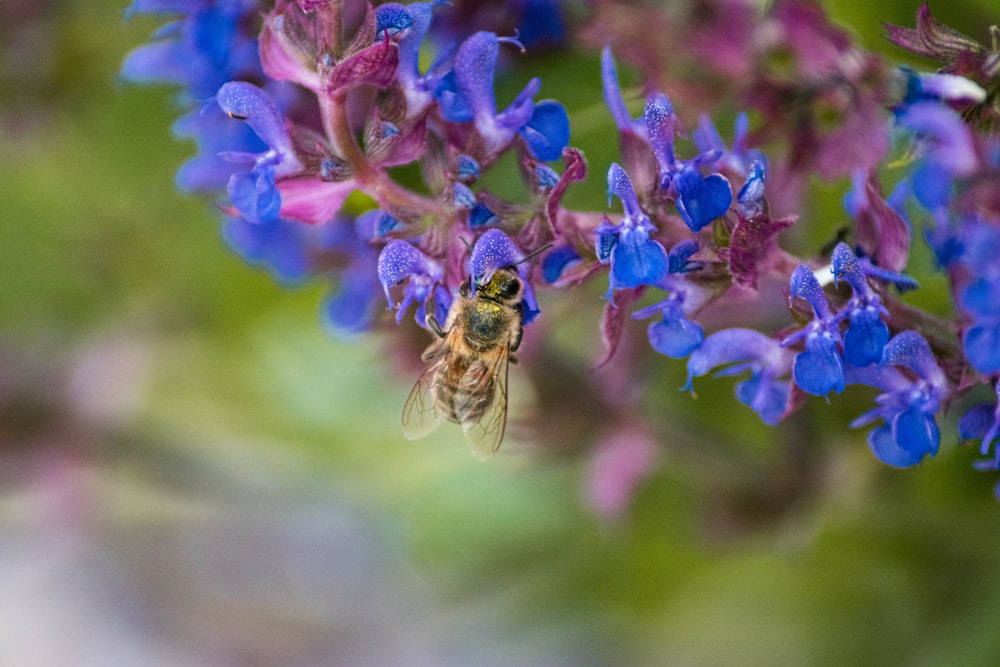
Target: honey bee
{"type": "Point", "coordinates": [466, 380]}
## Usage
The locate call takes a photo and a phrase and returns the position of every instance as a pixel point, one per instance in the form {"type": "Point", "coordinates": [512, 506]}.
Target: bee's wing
{"type": "Point", "coordinates": [420, 413]}
{"type": "Point", "coordinates": [484, 432]}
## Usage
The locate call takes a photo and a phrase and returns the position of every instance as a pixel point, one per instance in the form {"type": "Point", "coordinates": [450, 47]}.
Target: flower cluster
{"type": "Point", "coordinates": [303, 114]}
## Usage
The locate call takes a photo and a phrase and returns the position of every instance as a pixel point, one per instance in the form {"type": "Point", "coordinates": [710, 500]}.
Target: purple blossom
{"type": "Point", "coordinates": [740, 158]}
{"type": "Point", "coordinates": [948, 151]}
{"type": "Point", "coordinates": [466, 94]}
{"type": "Point", "coordinates": [254, 193]}
{"type": "Point", "coordinates": [738, 350]}
{"type": "Point", "coordinates": [636, 259]}
{"type": "Point", "coordinates": [674, 335]}
{"type": "Point", "coordinates": [818, 369]}
{"type": "Point", "coordinates": [907, 405]}
{"type": "Point", "coordinates": [980, 298]}
{"type": "Point", "coordinates": [867, 334]}
{"type": "Point", "coordinates": [398, 261]}
{"type": "Point", "coordinates": [700, 199]}
{"type": "Point", "coordinates": [982, 422]}
{"type": "Point", "coordinates": [278, 245]}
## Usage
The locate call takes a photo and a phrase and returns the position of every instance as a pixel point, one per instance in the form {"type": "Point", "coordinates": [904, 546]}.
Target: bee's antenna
{"type": "Point", "coordinates": [533, 253]}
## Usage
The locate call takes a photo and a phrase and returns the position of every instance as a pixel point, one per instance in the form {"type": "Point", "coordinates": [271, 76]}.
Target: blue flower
{"type": "Point", "coordinates": [949, 151]}
{"type": "Point", "coordinates": [557, 261]}
{"type": "Point", "coordinates": [740, 158]}
{"type": "Point", "coordinates": [907, 405]}
{"type": "Point", "coordinates": [818, 369]}
{"type": "Point", "coordinates": [412, 21]}
{"type": "Point", "coordinates": [982, 422]}
{"type": "Point", "coordinates": [481, 215]}
{"type": "Point", "coordinates": [700, 199]}
{"type": "Point", "coordinates": [867, 334]}
{"type": "Point", "coordinates": [674, 335]}
{"type": "Point", "coordinates": [938, 87]}
{"type": "Point", "coordinates": [350, 310]}
{"type": "Point", "coordinates": [254, 193]}
{"type": "Point", "coordinates": [466, 94]}
{"type": "Point", "coordinates": [541, 23]}
{"type": "Point", "coordinates": [635, 258]}
{"type": "Point", "coordinates": [199, 52]}
{"type": "Point", "coordinates": [278, 245]}
{"type": "Point", "coordinates": [208, 45]}
{"type": "Point", "coordinates": [613, 95]}
{"type": "Point", "coordinates": [741, 350]}
{"type": "Point", "coordinates": [980, 297]}
{"type": "Point", "coordinates": [400, 260]}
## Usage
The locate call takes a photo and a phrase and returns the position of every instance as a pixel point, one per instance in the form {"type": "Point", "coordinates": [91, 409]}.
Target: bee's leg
{"type": "Point", "coordinates": [512, 359]}
{"type": "Point", "coordinates": [516, 343]}
{"type": "Point", "coordinates": [435, 327]}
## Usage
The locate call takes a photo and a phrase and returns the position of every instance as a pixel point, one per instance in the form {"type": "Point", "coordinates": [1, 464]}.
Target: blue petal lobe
{"type": "Point", "coordinates": [866, 338]}
{"type": "Point", "coordinates": [819, 370]}
{"type": "Point", "coordinates": [675, 337]}
{"type": "Point", "coordinates": [547, 131]}
{"type": "Point", "coordinates": [637, 260]}
{"type": "Point", "coordinates": [982, 348]}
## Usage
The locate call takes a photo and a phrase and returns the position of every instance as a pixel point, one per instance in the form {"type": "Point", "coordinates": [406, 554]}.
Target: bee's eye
{"type": "Point", "coordinates": [508, 288]}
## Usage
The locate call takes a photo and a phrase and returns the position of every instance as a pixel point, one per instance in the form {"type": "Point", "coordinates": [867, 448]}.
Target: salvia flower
{"type": "Point", "coordinates": [739, 350]}
{"type": "Point", "coordinates": [400, 260]}
{"type": "Point", "coordinates": [700, 199]}
{"type": "Point", "coordinates": [635, 257]}
{"type": "Point", "coordinates": [867, 334]}
{"type": "Point", "coordinates": [908, 403]}
{"type": "Point", "coordinates": [980, 298]}
{"type": "Point", "coordinates": [466, 94]}
{"type": "Point", "coordinates": [254, 193]}
{"type": "Point", "coordinates": [674, 335]}
{"type": "Point", "coordinates": [358, 147]}
{"type": "Point", "coordinates": [819, 369]}
{"type": "Point", "coordinates": [982, 422]}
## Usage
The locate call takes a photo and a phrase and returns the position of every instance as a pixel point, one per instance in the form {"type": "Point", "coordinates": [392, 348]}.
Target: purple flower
{"type": "Point", "coordinates": [739, 350]}
{"type": "Point", "coordinates": [982, 422]}
{"type": "Point", "coordinates": [635, 258]}
{"type": "Point", "coordinates": [907, 404]}
{"type": "Point", "coordinates": [613, 95]}
{"type": "Point", "coordinates": [412, 21]}
{"type": "Point", "coordinates": [818, 369]}
{"type": "Point", "coordinates": [400, 260]}
{"type": "Point", "coordinates": [948, 151]}
{"type": "Point", "coordinates": [199, 52]}
{"type": "Point", "coordinates": [700, 199]}
{"type": "Point", "coordinates": [278, 245]}
{"type": "Point", "coordinates": [674, 335]}
{"type": "Point", "coordinates": [254, 193]}
{"type": "Point", "coordinates": [466, 94]}
{"type": "Point", "coordinates": [738, 160]}
{"type": "Point", "coordinates": [980, 298]}
{"type": "Point", "coordinates": [867, 334]}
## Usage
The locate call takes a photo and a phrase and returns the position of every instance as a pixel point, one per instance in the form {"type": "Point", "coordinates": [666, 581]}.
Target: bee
{"type": "Point", "coordinates": [466, 379]}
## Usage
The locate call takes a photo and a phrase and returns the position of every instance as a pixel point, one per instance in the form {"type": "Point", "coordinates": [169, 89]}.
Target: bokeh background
{"type": "Point", "coordinates": [193, 472]}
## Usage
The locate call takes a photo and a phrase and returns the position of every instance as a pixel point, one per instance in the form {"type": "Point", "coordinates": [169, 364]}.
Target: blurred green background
{"type": "Point", "coordinates": [192, 472]}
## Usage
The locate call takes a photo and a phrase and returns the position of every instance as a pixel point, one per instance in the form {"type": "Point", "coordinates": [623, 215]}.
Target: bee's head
{"type": "Point", "coordinates": [504, 286]}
